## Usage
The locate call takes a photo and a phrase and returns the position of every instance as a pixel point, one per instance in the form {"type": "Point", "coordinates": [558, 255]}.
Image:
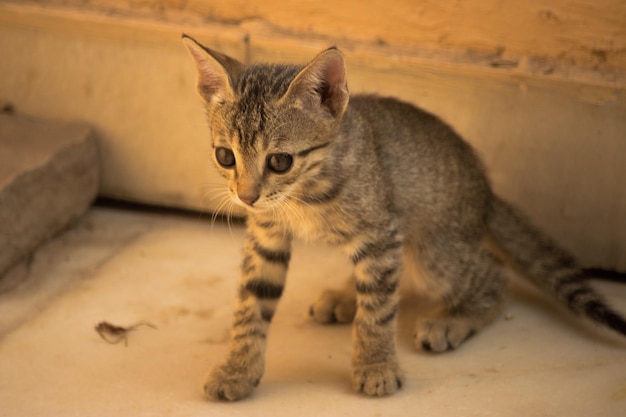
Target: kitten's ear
{"type": "Point", "coordinates": [218, 74]}
{"type": "Point", "coordinates": [322, 84]}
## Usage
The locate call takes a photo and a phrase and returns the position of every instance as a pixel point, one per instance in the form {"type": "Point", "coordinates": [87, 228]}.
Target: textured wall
{"type": "Point", "coordinates": [581, 38]}
{"type": "Point", "coordinates": [553, 141]}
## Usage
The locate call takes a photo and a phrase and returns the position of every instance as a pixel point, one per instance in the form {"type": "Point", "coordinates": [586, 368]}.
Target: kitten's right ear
{"type": "Point", "coordinates": [218, 74]}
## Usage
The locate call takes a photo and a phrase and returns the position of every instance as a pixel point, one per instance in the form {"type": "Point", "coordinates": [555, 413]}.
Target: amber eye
{"type": "Point", "coordinates": [279, 162]}
{"type": "Point", "coordinates": [225, 157]}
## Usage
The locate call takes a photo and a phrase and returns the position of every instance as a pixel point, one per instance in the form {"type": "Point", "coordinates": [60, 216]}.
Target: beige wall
{"type": "Point", "coordinates": [538, 35]}
{"type": "Point", "coordinates": [553, 139]}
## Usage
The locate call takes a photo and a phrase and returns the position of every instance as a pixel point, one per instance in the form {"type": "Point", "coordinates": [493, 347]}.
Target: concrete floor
{"type": "Point", "coordinates": [180, 273]}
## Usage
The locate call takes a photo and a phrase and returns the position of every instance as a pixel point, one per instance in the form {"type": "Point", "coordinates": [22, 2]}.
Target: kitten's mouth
{"type": "Point", "coordinates": [254, 206]}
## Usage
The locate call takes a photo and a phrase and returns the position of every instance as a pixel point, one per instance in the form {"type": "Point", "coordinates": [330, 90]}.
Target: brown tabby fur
{"type": "Point", "coordinates": [384, 180]}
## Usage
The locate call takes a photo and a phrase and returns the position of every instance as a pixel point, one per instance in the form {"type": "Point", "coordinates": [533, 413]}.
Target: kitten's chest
{"type": "Point", "coordinates": [323, 224]}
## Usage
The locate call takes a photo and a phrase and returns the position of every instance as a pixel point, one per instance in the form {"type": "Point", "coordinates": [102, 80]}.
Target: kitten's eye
{"type": "Point", "coordinates": [279, 162]}
{"type": "Point", "coordinates": [225, 157]}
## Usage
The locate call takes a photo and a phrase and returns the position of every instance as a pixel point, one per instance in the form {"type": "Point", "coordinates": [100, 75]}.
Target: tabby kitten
{"type": "Point", "coordinates": [387, 182]}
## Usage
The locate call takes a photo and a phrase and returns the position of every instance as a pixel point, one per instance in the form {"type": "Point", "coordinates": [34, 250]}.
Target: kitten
{"type": "Point", "coordinates": [387, 182]}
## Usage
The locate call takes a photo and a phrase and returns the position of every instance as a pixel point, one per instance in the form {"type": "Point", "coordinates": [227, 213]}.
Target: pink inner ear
{"type": "Point", "coordinates": [334, 91]}
{"type": "Point", "coordinates": [213, 80]}
{"type": "Point", "coordinates": [335, 74]}
{"type": "Point", "coordinates": [210, 84]}
{"type": "Point", "coordinates": [322, 84]}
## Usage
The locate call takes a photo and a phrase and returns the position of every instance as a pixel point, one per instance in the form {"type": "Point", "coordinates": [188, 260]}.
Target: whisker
{"type": "Point", "coordinates": [216, 213]}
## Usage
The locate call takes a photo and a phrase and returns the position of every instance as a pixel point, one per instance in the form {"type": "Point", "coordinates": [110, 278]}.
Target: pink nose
{"type": "Point", "coordinates": [248, 200]}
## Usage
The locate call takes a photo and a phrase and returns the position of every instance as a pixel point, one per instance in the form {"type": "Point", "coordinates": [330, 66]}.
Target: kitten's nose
{"type": "Point", "coordinates": [248, 200]}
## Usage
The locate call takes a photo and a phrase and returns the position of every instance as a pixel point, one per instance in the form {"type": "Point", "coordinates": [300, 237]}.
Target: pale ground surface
{"type": "Point", "coordinates": [181, 274]}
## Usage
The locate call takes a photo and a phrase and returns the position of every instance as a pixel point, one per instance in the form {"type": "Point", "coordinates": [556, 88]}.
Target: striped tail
{"type": "Point", "coordinates": [605, 274]}
{"type": "Point", "coordinates": [549, 266]}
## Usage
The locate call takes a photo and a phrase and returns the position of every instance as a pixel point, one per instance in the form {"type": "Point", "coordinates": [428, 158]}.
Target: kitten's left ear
{"type": "Point", "coordinates": [322, 84]}
{"type": "Point", "coordinates": [218, 74]}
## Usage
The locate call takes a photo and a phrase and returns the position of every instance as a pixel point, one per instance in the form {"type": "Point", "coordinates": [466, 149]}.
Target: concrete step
{"type": "Point", "coordinates": [48, 177]}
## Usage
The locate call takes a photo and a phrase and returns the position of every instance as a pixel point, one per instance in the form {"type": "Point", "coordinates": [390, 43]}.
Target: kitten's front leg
{"type": "Point", "coordinates": [264, 268]}
{"type": "Point", "coordinates": [377, 261]}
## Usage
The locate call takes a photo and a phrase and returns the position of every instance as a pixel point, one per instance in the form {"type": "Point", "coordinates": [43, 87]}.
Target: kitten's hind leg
{"type": "Point", "coordinates": [335, 306]}
{"type": "Point", "coordinates": [473, 283]}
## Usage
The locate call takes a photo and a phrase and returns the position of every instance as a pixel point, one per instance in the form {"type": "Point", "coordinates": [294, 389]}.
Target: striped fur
{"type": "Point", "coordinates": [393, 186]}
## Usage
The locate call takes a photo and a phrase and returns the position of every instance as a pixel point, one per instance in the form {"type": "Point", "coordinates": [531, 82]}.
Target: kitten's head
{"type": "Point", "coordinates": [272, 126]}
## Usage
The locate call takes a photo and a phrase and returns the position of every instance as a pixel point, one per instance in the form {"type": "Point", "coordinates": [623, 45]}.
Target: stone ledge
{"type": "Point", "coordinates": [48, 177]}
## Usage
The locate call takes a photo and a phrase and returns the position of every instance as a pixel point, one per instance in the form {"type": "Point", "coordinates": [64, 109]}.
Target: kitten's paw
{"type": "Point", "coordinates": [377, 379]}
{"type": "Point", "coordinates": [225, 383]}
{"type": "Point", "coordinates": [442, 334]}
{"type": "Point", "coordinates": [334, 307]}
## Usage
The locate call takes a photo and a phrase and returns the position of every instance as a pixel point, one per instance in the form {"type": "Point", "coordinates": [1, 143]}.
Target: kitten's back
{"type": "Point", "coordinates": [434, 173]}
